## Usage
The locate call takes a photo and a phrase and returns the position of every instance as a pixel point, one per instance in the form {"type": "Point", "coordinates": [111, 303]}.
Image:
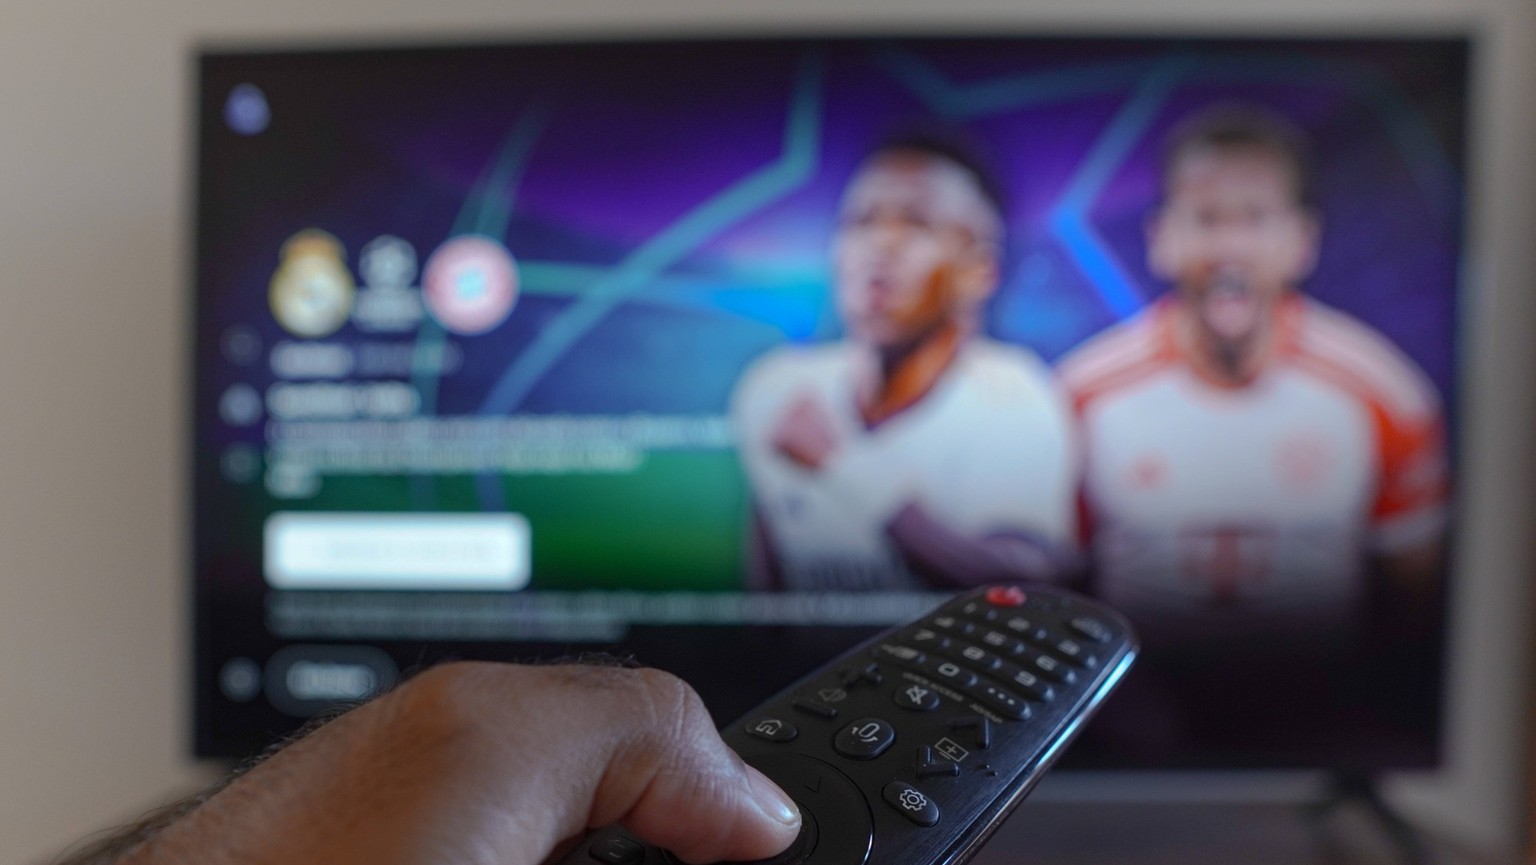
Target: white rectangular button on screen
{"type": "Point", "coordinates": [397, 551]}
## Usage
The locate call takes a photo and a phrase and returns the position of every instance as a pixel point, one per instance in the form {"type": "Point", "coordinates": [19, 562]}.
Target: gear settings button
{"type": "Point", "coordinates": [911, 803]}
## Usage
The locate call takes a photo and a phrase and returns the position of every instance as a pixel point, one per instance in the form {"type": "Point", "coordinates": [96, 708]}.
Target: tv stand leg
{"type": "Point", "coordinates": [1345, 788]}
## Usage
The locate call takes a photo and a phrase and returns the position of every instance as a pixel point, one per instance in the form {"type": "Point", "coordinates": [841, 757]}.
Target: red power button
{"type": "Point", "coordinates": [1005, 596]}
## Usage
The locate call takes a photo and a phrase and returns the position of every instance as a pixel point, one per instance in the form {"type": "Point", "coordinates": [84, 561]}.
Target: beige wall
{"type": "Point", "coordinates": [93, 175]}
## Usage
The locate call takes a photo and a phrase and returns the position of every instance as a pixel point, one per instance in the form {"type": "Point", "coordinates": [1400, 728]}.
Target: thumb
{"type": "Point", "coordinates": [676, 784]}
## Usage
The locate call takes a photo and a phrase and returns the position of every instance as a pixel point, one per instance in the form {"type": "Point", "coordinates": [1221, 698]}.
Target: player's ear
{"type": "Point", "coordinates": [980, 272]}
{"type": "Point", "coordinates": [1309, 240]}
{"type": "Point", "coordinates": [1160, 244]}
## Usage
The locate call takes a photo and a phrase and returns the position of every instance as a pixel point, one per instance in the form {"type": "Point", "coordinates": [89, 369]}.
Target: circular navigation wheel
{"type": "Point", "coordinates": [837, 826]}
{"type": "Point", "coordinates": [798, 852]}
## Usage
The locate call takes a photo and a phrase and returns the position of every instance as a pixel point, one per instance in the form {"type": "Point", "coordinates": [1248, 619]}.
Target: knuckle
{"type": "Point", "coordinates": [445, 703]}
{"type": "Point", "coordinates": [673, 707]}
{"type": "Point", "coordinates": [452, 681]}
{"type": "Point", "coordinates": [600, 677]}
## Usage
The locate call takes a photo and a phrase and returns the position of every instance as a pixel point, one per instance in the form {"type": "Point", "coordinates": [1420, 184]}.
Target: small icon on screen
{"type": "Point", "coordinates": [240, 463]}
{"type": "Point", "coordinates": [241, 345]}
{"type": "Point", "coordinates": [387, 301]}
{"type": "Point", "coordinates": [312, 290]}
{"type": "Point", "coordinates": [240, 680]}
{"type": "Point", "coordinates": [246, 110]}
{"type": "Point", "coordinates": [240, 405]}
{"type": "Point", "coordinates": [470, 284]}
{"type": "Point", "coordinates": [387, 262]}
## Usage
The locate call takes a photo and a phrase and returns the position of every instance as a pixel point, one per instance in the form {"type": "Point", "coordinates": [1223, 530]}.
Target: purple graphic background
{"type": "Point", "coordinates": [630, 139]}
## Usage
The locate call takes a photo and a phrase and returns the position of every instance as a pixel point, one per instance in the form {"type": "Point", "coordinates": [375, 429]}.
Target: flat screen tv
{"type": "Point", "coordinates": [721, 354]}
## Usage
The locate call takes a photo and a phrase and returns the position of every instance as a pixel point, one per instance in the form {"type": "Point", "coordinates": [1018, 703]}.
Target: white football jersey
{"type": "Point", "coordinates": [987, 450]}
{"type": "Point", "coordinates": [1222, 511]}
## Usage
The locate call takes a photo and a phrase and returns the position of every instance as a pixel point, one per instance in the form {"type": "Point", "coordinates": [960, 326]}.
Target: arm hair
{"type": "Point", "coordinates": [112, 846]}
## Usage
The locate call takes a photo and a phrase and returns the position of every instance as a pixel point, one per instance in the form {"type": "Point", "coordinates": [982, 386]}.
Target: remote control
{"type": "Point", "coordinates": [911, 748]}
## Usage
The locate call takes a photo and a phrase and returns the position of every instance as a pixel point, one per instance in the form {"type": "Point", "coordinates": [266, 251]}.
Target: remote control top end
{"type": "Point", "coordinates": [911, 748]}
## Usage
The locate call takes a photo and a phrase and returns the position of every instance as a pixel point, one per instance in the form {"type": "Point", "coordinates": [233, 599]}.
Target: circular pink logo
{"type": "Point", "coordinates": [470, 284]}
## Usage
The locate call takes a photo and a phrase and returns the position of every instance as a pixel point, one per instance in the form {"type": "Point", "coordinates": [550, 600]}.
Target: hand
{"type": "Point", "coordinates": [496, 764]}
{"type": "Point", "coordinates": [805, 434]}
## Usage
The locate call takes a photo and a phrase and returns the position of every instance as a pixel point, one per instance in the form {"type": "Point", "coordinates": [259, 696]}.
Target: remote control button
{"type": "Point", "coordinates": [1074, 652]}
{"type": "Point", "coordinates": [1093, 629]}
{"type": "Point", "coordinates": [864, 739]}
{"type": "Point", "coordinates": [950, 673]}
{"type": "Point", "coordinates": [618, 850]}
{"type": "Point", "coordinates": [1019, 625]}
{"type": "Point", "coordinates": [910, 803]}
{"type": "Point", "coordinates": [1040, 604]}
{"type": "Point", "coordinates": [931, 766]}
{"type": "Point", "coordinates": [1006, 596]}
{"type": "Point", "coordinates": [840, 811]}
{"type": "Point", "coordinates": [938, 769]}
{"type": "Point", "coordinates": [906, 656]}
{"type": "Point", "coordinates": [1053, 669]}
{"type": "Point", "coordinates": [772, 730]}
{"type": "Point", "coordinates": [925, 638]}
{"type": "Point", "coordinates": [980, 612]}
{"type": "Point", "coordinates": [951, 750]}
{"type": "Point", "coordinates": [811, 707]}
{"type": "Point", "coordinates": [975, 657]}
{"type": "Point", "coordinates": [831, 693]}
{"type": "Point", "coordinates": [916, 698]}
{"type": "Point", "coordinates": [981, 725]}
{"type": "Point", "coordinates": [1003, 643]}
{"type": "Point", "coordinates": [1027, 683]}
{"type": "Point", "coordinates": [1000, 701]}
{"type": "Point", "coordinates": [870, 674]}
{"type": "Point", "coordinates": [954, 625]}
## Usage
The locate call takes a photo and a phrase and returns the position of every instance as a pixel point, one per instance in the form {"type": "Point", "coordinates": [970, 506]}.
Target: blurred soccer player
{"type": "Point", "coordinates": [1252, 456]}
{"type": "Point", "coordinates": [915, 452]}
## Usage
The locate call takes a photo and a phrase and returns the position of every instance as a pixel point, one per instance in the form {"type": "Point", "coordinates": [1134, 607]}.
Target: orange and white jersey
{"type": "Point", "coordinates": [1221, 511]}
{"type": "Point", "coordinates": [989, 449]}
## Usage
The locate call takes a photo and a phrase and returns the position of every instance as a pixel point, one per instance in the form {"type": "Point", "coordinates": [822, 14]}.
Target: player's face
{"type": "Point", "coordinates": [912, 250]}
{"type": "Point", "coordinates": [1232, 238]}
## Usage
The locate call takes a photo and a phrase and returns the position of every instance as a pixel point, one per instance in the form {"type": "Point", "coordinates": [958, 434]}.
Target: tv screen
{"type": "Point", "coordinates": [723, 354]}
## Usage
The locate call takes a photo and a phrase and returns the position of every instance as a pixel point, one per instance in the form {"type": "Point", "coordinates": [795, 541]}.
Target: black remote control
{"type": "Point", "coordinates": [912, 748]}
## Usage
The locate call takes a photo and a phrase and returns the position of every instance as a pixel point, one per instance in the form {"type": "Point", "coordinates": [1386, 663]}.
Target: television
{"type": "Point", "coordinates": [703, 349]}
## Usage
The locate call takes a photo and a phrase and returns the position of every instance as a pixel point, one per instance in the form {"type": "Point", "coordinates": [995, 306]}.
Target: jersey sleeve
{"type": "Point", "coordinates": [1413, 487]}
{"type": "Point", "coordinates": [1409, 507]}
{"type": "Point", "coordinates": [747, 408]}
{"type": "Point", "coordinates": [755, 404]}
